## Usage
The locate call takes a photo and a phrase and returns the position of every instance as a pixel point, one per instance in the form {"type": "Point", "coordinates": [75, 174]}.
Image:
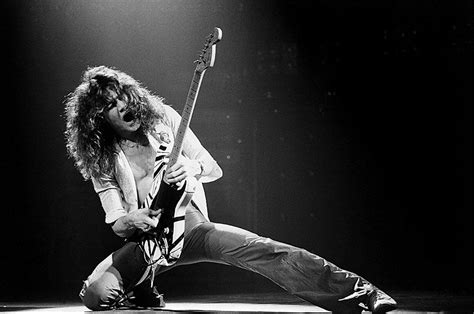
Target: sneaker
{"type": "Point", "coordinates": [147, 297]}
{"type": "Point", "coordinates": [379, 302]}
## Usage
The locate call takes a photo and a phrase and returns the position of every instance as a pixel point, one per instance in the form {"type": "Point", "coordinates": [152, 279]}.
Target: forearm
{"type": "Point", "coordinates": [123, 227]}
{"type": "Point", "coordinates": [143, 219]}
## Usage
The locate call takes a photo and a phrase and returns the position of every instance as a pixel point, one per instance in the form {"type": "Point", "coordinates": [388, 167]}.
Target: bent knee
{"type": "Point", "coordinates": [97, 296]}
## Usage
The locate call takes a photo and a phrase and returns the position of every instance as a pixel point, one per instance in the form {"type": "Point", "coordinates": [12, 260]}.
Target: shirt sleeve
{"type": "Point", "coordinates": [192, 147]}
{"type": "Point", "coordinates": [109, 193]}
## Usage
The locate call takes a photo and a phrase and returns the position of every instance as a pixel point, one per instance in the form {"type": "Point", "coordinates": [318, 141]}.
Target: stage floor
{"type": "Point", "coordinates": [409, 302]}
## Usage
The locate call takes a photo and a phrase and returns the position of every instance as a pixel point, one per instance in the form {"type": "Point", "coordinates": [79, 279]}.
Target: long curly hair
{"type": "Point", "coordinates": [90, 140]}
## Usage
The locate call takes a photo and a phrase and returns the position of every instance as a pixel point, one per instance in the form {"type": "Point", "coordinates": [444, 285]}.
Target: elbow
{"type": "Point", "coordinates": [217, 172]}
{"type": "Point", "coordinates": [220, 173]}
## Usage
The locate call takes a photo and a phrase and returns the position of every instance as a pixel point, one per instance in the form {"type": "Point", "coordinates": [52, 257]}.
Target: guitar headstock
{"type": "Point", "coordinates": [208, 54]}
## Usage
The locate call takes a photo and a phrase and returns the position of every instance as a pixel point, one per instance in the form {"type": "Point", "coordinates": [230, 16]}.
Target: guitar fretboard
{"type": "Point", "coordinates": [186, 116]}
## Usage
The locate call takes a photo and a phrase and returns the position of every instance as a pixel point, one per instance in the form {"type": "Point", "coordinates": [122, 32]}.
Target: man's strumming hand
{"type": "Point", "coordinates": [144, 218]}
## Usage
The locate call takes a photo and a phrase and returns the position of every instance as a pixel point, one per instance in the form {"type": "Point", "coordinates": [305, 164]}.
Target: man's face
{"type": "Point", "coordinates": [119, 118]}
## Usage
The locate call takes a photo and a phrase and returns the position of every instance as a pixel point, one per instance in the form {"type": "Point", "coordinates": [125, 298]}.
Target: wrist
{"type": "Point", "coordinates": [123, 226]}
{"type": "Point", "coordinates": [128, 221]}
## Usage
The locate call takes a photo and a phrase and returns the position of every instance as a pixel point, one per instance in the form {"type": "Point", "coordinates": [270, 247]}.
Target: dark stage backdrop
{"type": "Point", "coordinates": [343, 127]}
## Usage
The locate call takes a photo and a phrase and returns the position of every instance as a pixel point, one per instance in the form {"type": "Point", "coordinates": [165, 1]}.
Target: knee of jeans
{"type": "Point", "coordinates": [97, 296]}
{"type": "Point", "coordinates": [274, 250]}
{"type": "Point", "coordinates": [265, 245]}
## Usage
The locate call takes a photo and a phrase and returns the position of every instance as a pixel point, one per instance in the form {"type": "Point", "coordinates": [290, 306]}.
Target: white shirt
{"type": "Point", "coordinates": [118, 192]}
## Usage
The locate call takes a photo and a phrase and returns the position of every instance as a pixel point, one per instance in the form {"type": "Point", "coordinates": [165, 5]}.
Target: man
{"type": "Point", "coordinates": [120, 136]}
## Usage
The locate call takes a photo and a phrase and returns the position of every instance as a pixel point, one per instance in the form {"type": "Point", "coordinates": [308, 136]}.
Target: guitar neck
{"type": "Point", "coordinates": [186, 116]}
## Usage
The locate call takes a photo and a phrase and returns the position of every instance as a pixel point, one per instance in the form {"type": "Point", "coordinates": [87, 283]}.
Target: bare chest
{"type": "Point", "coordinates": [142, 162]}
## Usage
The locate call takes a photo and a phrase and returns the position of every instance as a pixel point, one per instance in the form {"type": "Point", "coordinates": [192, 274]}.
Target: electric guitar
{"type": "Point", "coordinates": [168, 236]}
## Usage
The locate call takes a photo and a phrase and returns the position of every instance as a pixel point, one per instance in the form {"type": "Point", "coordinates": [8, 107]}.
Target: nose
{"type": "Point", "coordinates": [121, 106]}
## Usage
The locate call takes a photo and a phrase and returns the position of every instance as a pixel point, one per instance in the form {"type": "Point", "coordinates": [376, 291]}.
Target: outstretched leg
{"type": "Point", "coordinates": [298, 271]}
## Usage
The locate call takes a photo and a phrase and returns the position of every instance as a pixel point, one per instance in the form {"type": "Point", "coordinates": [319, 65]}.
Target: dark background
{"type": "Point", "coordinates": [343, 127]}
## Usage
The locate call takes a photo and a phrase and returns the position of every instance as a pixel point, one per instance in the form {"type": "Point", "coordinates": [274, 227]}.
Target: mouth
{"type": "Point", "coordinates": [128, 117]}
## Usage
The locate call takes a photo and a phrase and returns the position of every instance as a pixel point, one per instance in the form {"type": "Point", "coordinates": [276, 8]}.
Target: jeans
{"type": "Point", "coordinates": [296, 270]}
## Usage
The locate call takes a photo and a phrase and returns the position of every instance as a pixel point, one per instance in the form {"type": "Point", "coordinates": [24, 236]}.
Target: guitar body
{"type": "Point", "coordinates": [167, 199]}
{"type": "Point", "coordinates": [170, 229]}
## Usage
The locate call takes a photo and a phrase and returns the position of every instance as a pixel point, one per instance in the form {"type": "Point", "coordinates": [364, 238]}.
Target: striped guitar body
{"type": "Point", "coordinates": [170, 229]}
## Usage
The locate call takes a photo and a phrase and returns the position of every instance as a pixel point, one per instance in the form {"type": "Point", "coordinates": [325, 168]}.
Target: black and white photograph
{"type": "Point", "coordinates": [237, 156]}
